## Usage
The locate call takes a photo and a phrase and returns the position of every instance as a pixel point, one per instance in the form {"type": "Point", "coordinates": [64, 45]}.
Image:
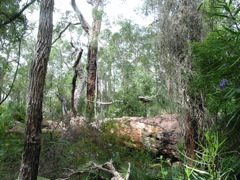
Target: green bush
{"type": "Point", "coordinates": [127, 104]}
{"type": "Point", "coordinates": [11, 147]}
{"type": "Point", "coordinates": [213, 161]}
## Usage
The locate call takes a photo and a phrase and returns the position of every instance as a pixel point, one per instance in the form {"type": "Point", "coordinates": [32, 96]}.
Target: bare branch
{"type": "Point", "coordinates": [128, 172]}
{"type": "Point", "coordinates": [90, 2]}
{"type": "Point", "coordinates": [60, 34]}
{"type": "Point", "coordinates": [82, 20]}
{"type": "Point", "coordinates": [107, 167]}
{"type": "Point", "coordinates": [15, 75]}
{"type": "Point", "coordinates": [15, 16]}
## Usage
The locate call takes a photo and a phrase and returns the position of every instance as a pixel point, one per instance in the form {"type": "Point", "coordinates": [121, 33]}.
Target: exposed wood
{"type": "Point", "coordinates": [92, 61]}
{"type": "Point", "coordinates": [63, 103]}
{"type": "Point", "coordinates": [160, 134]}
{"type": "Point", "coordinates": [34, 115]}
{"type": "Point", "coordinates": [106, 167]}
{"type": "Point", "coordinates": [74, 79]}
{"type": "Point", "coordinates": [104, 103]}
{"type": "Point", "coordinates": [145, 99]}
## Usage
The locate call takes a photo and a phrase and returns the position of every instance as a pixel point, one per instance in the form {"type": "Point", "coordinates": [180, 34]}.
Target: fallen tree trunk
{"type": "Point", "coordinates": [160, 134]}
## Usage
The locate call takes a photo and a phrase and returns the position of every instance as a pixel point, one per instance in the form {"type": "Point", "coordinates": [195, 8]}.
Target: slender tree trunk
{"type": "Point", "coordinates": [77, 71]}
{"type": "Point", "coordinates": [38, 70]}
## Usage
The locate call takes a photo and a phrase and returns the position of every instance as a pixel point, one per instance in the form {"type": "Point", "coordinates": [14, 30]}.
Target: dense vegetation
{"type": "Point", "coordinates": [184, 62]}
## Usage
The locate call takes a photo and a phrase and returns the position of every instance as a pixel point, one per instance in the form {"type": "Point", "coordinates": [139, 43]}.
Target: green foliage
{"type": "Point", "coordinates": [217, 74]}
{"type": "Point", "coordinates": [167, 171]}
{"type": "Point", "coordinates": [11, 147]}
{"type": "Point", "coordinates": [78, 149]}
{"type": "Point", "coordinates": [129, 67]}
{"type": "Point", "coordinates": [127, 104]}
{"type": "Point", "coordinates": [11, 144]}
{"type": "Point", "coordinates": [10, 113]}
{"type": "Point", "coordinates": [212, 160]}
{"type": "Point", "coordinates": [216, 63]}
{"type": "Point", "coordinates": [11, 32]}
{"type": "Point", "coordinates": [97, 14]}
{"type": "Point", "coordinates": [163, 171]}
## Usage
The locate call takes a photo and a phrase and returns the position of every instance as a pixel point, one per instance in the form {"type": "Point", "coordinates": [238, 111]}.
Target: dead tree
{"type": "Point", "coordinates": [93, 33]}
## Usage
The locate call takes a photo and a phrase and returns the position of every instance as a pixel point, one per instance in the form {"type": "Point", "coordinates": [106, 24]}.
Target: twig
{"type": "Point", "coordinates": [60, 34]}
{"type": "Point", "coordinates": [15, 75]}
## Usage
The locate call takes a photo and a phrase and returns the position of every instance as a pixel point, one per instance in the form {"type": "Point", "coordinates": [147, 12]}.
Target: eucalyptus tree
{"type": "Point", "coordinates": [37, 73]}
{"type": "Point", "coordinates": [128, 63]}
{"type": "Point", "coordinates": [93, 36]}
{"type": "Point", "coordinates": [13, 27]}
{"type": "Point", "coordinates": [179, 23]}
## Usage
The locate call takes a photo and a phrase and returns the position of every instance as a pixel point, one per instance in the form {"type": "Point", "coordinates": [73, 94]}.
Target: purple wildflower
{"type": "Point", "coordinates": [223, 83]}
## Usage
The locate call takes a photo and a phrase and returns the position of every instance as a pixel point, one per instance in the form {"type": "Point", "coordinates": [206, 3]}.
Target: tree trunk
{"type": "Point", "coordinates": [93, 33]}
{"type": "Point", "coordinates": [91, 79]}
{"type": "Point", "coordinates": [38, 70]}
{"type": "Point", "coordinates": [77, 71]}
{"type": "Point", "coordinates": [92, 60]}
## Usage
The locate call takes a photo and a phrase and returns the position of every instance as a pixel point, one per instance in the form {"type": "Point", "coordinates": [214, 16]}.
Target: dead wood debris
{"type": "Point", "coordinates": [107, 167]}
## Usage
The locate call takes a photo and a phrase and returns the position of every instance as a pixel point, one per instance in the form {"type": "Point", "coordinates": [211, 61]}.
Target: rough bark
{"type": "Point", "coordinates": [91, 79]}
{"type": "Point", "coordinates": [180, 23]}
{"type": "Point", "coordinates": [38, 70]}
{"type": "Point", "coordinates": [92, 61]}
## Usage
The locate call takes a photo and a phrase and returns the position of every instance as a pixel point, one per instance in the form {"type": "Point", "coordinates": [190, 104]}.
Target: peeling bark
{"type": "Point", "coordinates": [77, 71]}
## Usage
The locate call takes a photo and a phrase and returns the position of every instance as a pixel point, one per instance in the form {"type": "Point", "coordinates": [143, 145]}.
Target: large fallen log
{"type": "Point", "coordinates": [161, 134]}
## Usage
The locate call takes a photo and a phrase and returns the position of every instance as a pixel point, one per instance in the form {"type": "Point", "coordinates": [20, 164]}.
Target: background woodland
{"type": "Point", "coordinates": [186, 61]}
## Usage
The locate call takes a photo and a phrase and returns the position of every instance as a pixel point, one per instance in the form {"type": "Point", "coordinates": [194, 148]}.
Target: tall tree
{"type": "Point", "coordinates": [13, 26]}
{"type": "Point", "coordinates": [93, 33]}
{"type": "Point", "coordinates": [38, 70]}
{"type": "Point", "coordinates": [179, 23]}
